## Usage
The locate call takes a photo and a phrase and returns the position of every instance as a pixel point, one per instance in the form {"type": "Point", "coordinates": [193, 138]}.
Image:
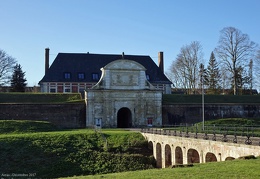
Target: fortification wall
{"type": "Point", "coordinates": [192, 113]}
{"type": "Point", "coordinates": [61, 115]}
{"type": "Point", "coordinates": [74, 115]}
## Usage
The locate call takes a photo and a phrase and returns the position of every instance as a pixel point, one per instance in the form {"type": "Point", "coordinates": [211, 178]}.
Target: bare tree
{"type": "Point", "coordinates": [185, 68]}
{"type": "Point", "coordinates": [6, 67]}
{"type": "Point", "coordinates": [235, 50]}
{"type": "Point", "coordinates": [175, 76]}
{"type": "Point", "coordinates": [225, 80]}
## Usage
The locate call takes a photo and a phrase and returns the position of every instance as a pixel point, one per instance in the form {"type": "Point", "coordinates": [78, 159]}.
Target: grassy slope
{"type": "Point", "coordinates": [167, 98]}
{"type": "Point", "coordinates": [69, 153]}
{"type": "Point", "coordinates": [24, 126]}
{"type": "Point", "coordinates": [76, 152]}
{"type": "Point", "coordinates": [234, 121]}
{"type": "Point", "coordinates": [40, 97]}
{"type": "Point", "coordinates": [248, 169]}
{"type": "Point", "coordinates": [196, 99]}
{"type": "Point", "coordinates": [240, 126]}
{"type": "Point", "coordinates": [228, 169]}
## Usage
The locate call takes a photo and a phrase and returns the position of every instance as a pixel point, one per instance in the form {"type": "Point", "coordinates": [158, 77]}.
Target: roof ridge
{"type": "Point", "coordinates": [103, 54]}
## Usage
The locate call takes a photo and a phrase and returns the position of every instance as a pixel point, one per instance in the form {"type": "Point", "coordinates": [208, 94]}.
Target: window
{"type": "Point", "coordinates": [67, 75]}
{"type": "Point", "coordinates": [66, 90]}
{"type": "Point", "coordinates": [95, 77]}
{"type": "Point", "coordinates": [81, 76]}
{"type": "Point", "coordinates": [53, 90]}
{"type": "Point", "coordinates": [150, 121]}
{"type": "Point", "coordinates": [148, 77]}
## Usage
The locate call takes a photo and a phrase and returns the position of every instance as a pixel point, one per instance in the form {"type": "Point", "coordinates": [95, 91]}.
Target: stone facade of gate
{"type": "Point", "coordinates": [123, 95]}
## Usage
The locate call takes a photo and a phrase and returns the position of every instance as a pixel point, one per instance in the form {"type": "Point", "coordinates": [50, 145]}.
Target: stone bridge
{"type": "Point", "coordinates": [171, 149]}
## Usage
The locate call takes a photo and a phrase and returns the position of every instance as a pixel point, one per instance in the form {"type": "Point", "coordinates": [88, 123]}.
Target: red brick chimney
{"type": "Point", "coordinates": [160, 61]}
{"type": "Point", "coordinates": [47, 56]}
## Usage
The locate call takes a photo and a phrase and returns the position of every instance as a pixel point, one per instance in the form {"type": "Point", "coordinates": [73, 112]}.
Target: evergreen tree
{"type": "Point", "coordinates": [18, 80]}
{"type": "Point", "coordinates": [212, 79]}
{"type": "Point", "coordinates": [240, 79]}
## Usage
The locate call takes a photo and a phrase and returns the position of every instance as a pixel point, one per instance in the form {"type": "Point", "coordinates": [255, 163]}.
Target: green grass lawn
{"type": "Point", "coordinates": [197, 99]}
{"type": "Point", "coordinates": [72, 152]}
{"type": "Point", "coordinates": [247, 169]}
{"type": "Point", "coordinates": [36, 147]}
{"type": "Point", "coordinates": [167, 98]}
{"type": "Point", "coordinates": [25, 126]}
{"type": "Point", "coordinates": [240, 126]}
{"type": "Point", "coordinates": [40, 97]}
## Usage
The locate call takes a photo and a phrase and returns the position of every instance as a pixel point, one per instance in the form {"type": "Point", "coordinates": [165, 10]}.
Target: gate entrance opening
{"type": "Point", "coordinates": [124, 118]}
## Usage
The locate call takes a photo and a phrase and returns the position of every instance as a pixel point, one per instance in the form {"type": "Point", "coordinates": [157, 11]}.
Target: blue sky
{"type": "Point", "coordinates": [137, 27]}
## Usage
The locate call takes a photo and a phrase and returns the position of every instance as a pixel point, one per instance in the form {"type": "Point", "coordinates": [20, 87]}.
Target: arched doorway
{"type": "Point", "coordinates": [124, 118]}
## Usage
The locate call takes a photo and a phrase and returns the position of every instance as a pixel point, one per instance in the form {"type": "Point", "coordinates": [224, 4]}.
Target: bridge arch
{"type": "Point", "coordinates": [193, 156]}
{"type": "Point", "coordinates": [229, 158]}
{"type": "Point", "coordinates": [210, 157]}
{"type": "Point", "coordinates": [168, 156]}
{"type": "Point", "coordinates": [150, 145]}
{"type": "Point", "coordinates": [178, 155]}
{"type": "Point", "coordinates": [158, 155]}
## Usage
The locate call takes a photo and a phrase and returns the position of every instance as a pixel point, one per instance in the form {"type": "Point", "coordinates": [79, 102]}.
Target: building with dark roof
{"type": "Point", "coordinates": [75, 72]}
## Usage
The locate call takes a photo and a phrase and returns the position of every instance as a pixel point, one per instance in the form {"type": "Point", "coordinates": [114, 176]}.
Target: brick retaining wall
{"type": "Point", "coordinates": [192, 113]}
{"type": "Point", "coordinates": [74, 115]}
{"type": "Point", "coordinates": [61, 115]}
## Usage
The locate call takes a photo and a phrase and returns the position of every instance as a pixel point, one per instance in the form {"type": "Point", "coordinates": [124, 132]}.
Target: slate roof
{"type": "Point", "coordinates": [88, 64]}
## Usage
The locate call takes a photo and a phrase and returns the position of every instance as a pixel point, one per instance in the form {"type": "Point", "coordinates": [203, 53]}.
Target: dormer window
{"type": "Point", "coordinates": [67, 75]}
{"type": "Point", "coordinates": [148, 77]}
{"type": "Point", "coordinates": [95, 76]}
{"type": "Point", "coordinates": [81, 76]}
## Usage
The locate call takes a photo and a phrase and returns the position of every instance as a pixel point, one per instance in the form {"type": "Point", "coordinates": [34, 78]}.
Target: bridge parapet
{"type": "Point", "coordinates": [247, 139]}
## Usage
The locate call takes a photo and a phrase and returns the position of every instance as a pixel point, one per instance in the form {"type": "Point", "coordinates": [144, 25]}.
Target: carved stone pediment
{"type": "Point", "coordinates": [123, 74]}
{"type": "Point", "coordinates": [124, 65]}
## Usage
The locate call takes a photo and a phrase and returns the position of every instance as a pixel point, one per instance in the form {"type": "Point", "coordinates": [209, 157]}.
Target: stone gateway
{"type": "Point", "coordinates": [123, 98]}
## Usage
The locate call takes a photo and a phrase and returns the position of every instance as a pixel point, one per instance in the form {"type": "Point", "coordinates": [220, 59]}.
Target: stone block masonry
{"type": "Point", "coordinates": [192, 113]}
{"type": "Point", "coordinates": [74, 115]}
{"type": "Point", "coordinates": [175, 150]}
{"type": "Point", "coordinates": [61, 115]}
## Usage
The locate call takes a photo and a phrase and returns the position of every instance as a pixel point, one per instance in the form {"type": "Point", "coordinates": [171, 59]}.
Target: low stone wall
{"type": "Point", "coordinates": [61, 115]}
{"type": "Point", "coordinates": [192, 113]}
